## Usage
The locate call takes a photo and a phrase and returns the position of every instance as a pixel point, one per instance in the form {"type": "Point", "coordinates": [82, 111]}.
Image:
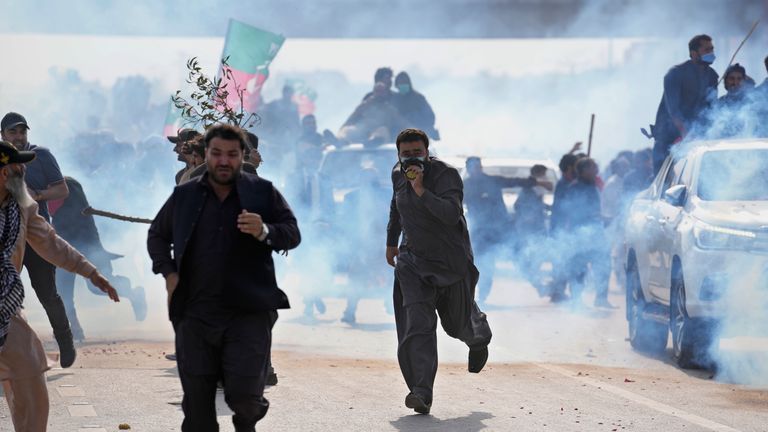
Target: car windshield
{"type": "Point", "coordinates": [342, 168]}
{"type": "Point", "coordinates": [734, 175]}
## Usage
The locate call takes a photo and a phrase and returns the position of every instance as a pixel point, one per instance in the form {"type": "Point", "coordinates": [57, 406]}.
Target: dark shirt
{"type": "Point", "coordinates": [484, 197]}
{"type": "Point", "coordinates": [79, 229]}
{"type": "Point", "coordinates": [42, 173]}
{"type": "Point", "coordinates": [413, 106]}
{"type": "Point", "coordinates": [689, 89]}
{"type": "Point", "coordinates": [530, 212]}
{"type": "Point", "coordinates": [210, 244]}
{"type": "Point", "coordinates": [435, 235]}
{"type": "Point", "coordinates": [557, 220]}
{"type": "Point", "coordinates": [583, 206]}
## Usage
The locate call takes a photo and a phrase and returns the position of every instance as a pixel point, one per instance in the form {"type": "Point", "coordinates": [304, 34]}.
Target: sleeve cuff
{"type": "Point", "coordinates": [167, 269]}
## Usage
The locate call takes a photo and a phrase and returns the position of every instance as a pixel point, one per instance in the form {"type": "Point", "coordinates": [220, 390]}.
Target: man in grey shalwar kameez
{"type": "Point", "coordinates": [434, 269]}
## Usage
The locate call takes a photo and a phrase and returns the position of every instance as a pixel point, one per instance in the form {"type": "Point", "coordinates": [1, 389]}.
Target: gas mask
{"type": "Point", "coordinates": [408, 162]}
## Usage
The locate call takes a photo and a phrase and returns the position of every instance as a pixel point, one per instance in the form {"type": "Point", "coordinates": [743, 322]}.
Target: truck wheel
{"type": "Point", "coordinates": [691, 338]}
{"type": "Point", "coordinates": [644, 335]}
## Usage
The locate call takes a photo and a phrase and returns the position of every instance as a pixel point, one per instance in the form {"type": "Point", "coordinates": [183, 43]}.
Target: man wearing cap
{"type": "Point", "coordinates": [22, 358]}
{"type": "Point", "coordinates": [183, 149]}
{"type": "Point", "coordinates": [45, 182]}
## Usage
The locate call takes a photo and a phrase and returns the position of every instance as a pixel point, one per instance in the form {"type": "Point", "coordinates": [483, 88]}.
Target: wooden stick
{"type": "Point", "coordinates": [752, 30]}
{"type": "Point", "coordinates": [90, 211]}
{"type": "Point", "coordinates": [591, 129]}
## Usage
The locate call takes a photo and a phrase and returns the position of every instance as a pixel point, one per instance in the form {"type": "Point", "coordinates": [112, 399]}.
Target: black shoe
{"type": "Point", "coordinates": [418, 403]}
{"type": "Point", "coordinates": [67, 352]}
{"type": "Point", "coordinates": [477, 359]}
{"type": "Point", "coordinates": [171, 357]}
{"type": "Point", "coordinates": [271, 379]}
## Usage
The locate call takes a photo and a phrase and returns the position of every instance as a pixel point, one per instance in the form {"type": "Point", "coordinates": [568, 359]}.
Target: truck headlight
{"type": "Point", "coordinates": [716, 237]}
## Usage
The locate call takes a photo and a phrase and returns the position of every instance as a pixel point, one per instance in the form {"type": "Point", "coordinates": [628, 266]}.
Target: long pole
{"type": "Point", "coordinates": [591, 130]}
{"type": "Point", "coordinates": [752, 30]}
{"type": "Point", "coordinates": [92, 211]}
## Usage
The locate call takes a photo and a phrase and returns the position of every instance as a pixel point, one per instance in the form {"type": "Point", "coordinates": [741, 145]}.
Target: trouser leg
{"type": "Point", "coordinates": [198, 360]}
{"type": "Point", "coordinates": [417, 343]}
{"type": "Point", "coordinates": [245, 358]}
{"type": "Point", "coordinates": [460, 316]}
{"type": "Point", "coordinates": [28, 402]}
{"type": "Point", "coordinates": [601, 270]}
{"type": "Point", "coordinates": [65, 285]}
{"type": "Point", "coordinates": [486, 262]}
{"type": "Point", "coordinates": [42, 275]}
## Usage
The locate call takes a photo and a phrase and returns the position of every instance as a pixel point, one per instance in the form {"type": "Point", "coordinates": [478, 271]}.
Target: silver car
{"type": "Point", "coordinates": [697, 239]}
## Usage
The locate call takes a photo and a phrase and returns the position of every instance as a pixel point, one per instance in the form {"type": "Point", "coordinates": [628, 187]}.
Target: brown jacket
{"type": "Point", "coordinates": [43, 239]}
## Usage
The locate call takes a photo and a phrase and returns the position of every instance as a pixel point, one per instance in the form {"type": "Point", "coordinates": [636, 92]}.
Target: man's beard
{"type": "Point", "coordinates": [18, 189]}
{"type": "Point", "coordinates": [216, 176]}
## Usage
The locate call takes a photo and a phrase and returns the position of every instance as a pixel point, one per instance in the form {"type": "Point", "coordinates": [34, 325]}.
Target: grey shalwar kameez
{"type": "Point", "coordinates": [434, 273]}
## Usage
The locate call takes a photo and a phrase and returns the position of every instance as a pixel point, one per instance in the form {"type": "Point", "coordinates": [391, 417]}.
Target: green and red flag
{"type": "Point", "coordinates": [249, 52]}
{"type": "Point", "coordinates": [172, 120]}
{"type": "Point", "coordinates": [303, 95]}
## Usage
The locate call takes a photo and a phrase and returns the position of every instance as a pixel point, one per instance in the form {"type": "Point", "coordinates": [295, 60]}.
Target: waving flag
{"type": "Point", "coordinates": [172, 120]}
{"type": "Point", "coordinates": [249, 52]}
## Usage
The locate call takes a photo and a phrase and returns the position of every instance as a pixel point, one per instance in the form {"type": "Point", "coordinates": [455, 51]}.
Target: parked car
{"type": "Point", "coordinates": [690, 237]}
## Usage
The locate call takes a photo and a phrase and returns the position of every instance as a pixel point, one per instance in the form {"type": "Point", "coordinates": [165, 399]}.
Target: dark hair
{"type": "Point", "coordinates": [198, 148]}
{"type": "Point", "coordinates": [583, 163]}
{"type": "Point", "coordinates": [472, 160]}
{"type": "Point", "coordinates": [411, 135]}
{"type": "Point", "coordinates": [381, 73]}
{"type": "Point", "coordinates": [253, 140]}
{"type": "Point", "coordinates": [696, 41]}
{"type": "Point", "coordinates": [403, 77]}
{"type": "Point", "coordinates": [225, 132]}
{"type": "Point", "coordinates": [567, 161]}
{"type": "Point", "coordinates": [765, 62]}
{"type": "Point", "coordinates": [538, 169]}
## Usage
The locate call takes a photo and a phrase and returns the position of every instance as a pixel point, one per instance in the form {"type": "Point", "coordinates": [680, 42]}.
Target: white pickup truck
{"type": "Point", "coordinates": [697, 237]}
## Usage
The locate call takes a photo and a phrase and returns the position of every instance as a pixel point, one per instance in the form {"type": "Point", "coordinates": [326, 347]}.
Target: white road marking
{"type": "Point", "coordinates": [78, 410]}
{"type": "Point", "coordinates": [70, 391]}
{"type": "Point", "coordinates": [650, 403]}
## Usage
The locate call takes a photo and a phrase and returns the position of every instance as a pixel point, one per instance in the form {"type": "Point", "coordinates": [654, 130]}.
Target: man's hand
{"type": "Point", "coordinates": [250, 223]}
{"type": "Point", "coordinates": [171, 282]}
{"type": "Point", "coordinates": [392, 252]}
{"type": "Point", "coordinates": [576, 147]}
{"type": "Point", "coordinates": [100, 282]}
{"type": "Point", "coordinates": [417, 183]}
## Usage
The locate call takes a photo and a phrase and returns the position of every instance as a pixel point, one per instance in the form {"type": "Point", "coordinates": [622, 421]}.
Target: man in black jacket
{"type": "Point", "coordinates": [222, 291]}
{"type": "Point", "coordinates": [434, 270]}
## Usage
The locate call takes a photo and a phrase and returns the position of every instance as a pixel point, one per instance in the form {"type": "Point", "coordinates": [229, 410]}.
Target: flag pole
{"type": "Point", "coordinates": [591, 130]}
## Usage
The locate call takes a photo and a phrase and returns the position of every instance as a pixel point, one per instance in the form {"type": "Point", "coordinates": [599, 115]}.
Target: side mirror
{"type": "Point", "coordinates": [676, 195]}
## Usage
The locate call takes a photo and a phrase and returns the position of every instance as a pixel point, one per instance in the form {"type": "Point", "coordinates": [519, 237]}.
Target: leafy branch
{"type": "Point", "coordinates": [209, 102]}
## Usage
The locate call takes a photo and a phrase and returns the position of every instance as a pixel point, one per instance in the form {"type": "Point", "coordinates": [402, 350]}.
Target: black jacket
{"type": "Point", "coordinates": [249, 278]}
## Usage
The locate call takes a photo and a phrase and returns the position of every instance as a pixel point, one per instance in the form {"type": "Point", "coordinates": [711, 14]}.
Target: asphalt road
{"type": "Point", "coordinates": [560, 368]}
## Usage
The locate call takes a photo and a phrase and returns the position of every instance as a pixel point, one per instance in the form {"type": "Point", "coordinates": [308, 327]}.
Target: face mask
{"type": "Point", "coordinates": [403, 88]}
{"type": "Point", "coordinates": [408, 161]}
{"type": "Point", "coordinates": [708, 58]}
